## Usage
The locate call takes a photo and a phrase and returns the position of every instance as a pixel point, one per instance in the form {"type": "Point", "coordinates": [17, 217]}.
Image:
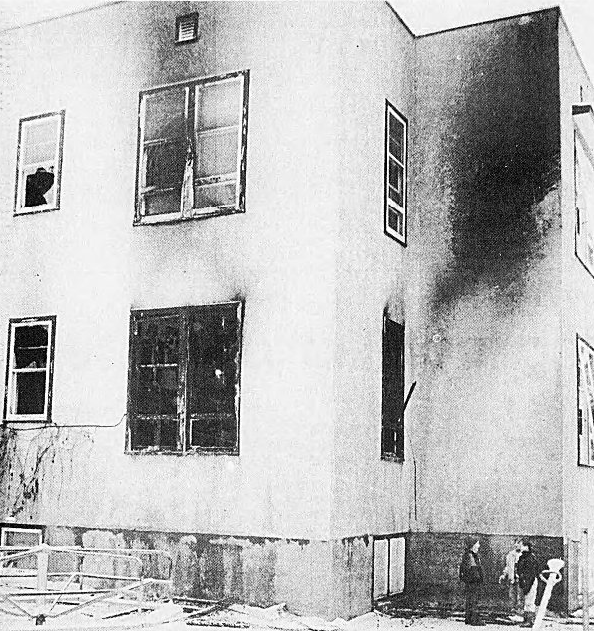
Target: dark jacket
{"type": "Point", "coordinates": [471, 571]}
{"type": "Point", "coordinates": [527, 570]}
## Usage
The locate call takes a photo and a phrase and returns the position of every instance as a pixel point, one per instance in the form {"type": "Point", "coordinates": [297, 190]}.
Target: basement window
{"type": "Point", "coordinates": [395, 174]}
{"type": "Point", "coordinates": [28, 392]}
{"type": "Point", "coordinates": [39, 163]}
{"type": "Point", "coordinates": [192, 149]}
{"type": "Point", "coordinates": [186, 28]}
{"type": "Point", "coordinates": [185, 379]}
{"type": "Point", "coordinates": [392, 390]}
{"type": "Point", "coordinates": [585, 402]}
{"type": "Point", "coordinates": [21, 538]}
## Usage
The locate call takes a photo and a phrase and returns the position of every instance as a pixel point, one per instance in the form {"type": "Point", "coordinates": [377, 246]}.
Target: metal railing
{"type": "Point", "coordinates": [12, 600]}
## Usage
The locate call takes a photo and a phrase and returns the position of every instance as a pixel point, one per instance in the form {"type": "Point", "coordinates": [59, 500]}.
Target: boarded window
{"type": "Point", "coordinates": [184, 378]}
{"type": "Point", "coordinates": [395, 176]}
{"type": "Point", "coordinates": [29, 375]}
{"type": "Point", "coordinates": [392, 389]}
{"type": "Point", "coordinates": [585, 407]}
{"type": "Point", "coordinates": [192, 149]}
{"type": "Point", "coordinates": [39, 163]}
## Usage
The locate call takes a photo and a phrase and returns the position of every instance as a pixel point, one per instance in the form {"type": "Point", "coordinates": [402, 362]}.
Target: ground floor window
{"type": "Point", "coordinates": [28, 391]}
{"type": "Point", "coordinates": [184, 379]}
{"type": "Point", "coordinates": [585, 402]}
{"type": "Point", "coordinates": [392, 390]}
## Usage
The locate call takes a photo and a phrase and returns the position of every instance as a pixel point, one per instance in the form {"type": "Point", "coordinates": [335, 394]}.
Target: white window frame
{"type": "Point", "coordinates": [585, 394]}
{"type": "Point", "coordinates": [238, 175]}
{"type": "Point", "coordinates": [5, 530]}
{"type": "Point", "coordinates": [11, 371]}
{"type": "Point", "coordinates": [388, 202]}
{"type": "Point", "coordinates": [56, 162]}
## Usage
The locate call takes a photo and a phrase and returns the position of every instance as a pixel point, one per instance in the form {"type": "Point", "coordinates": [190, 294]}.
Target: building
{"type": "Point", "coordinates": [234, 235]}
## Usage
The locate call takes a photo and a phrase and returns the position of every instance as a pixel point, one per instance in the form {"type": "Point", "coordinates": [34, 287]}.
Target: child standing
{"type": "Point", "coordinates": [510, 575]}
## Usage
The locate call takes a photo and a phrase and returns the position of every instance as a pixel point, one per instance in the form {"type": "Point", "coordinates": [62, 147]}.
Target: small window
{"type": "Point", "coordinates": [186, 28]}
{"type": "Point", "coordinates": [28, 393]}
{"type": "Point", "coordinates": [192, 152]}
{"type": "Point", "coordinates": [585, 402]}
{"type": "Point", "coordinates": [39, 163]}
{"type": "Point", "coordinates": [21, 538]}
{"type": "Point", "coordinates": [392, 390]}
{"type": "Point", "coordinates": [395, 175]}
{"type": "Point", "coordinates": [184, 379]}
{"type": "Point", "coordinates": [584, 203]}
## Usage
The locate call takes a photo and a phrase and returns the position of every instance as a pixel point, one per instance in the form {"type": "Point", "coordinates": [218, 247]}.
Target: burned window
{"type": "Point", "coordinates": [395, 175]}
{"type": "Point", "coordinates": [392, 389]}
{"type": "Point", "coordinates": [29, 369]}
{"type": "Point", "coordinates": [584, 203]}
{"type": "Point", "coordinates": [39, 163]}
{"type": "Point", "coordinates": [184, 379]}
{"type": "Point", "coordinates": [585, 403]}
{"type": "Point", "coordinates": [192, 149]}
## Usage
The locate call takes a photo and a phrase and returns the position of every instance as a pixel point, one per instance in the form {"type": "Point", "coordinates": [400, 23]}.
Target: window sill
{"type": "Point", "coordinates": [389, 457]}
{"type": "Point", "coordinates": [190, 452]}
{"type": "Point", "coordinates": [205, 213]}
{"type": "Point", "coordinates": [34, 211]}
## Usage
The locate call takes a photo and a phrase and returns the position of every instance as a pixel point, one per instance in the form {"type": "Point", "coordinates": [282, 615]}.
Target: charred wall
{"type": "Point", "coordinates": [486, 151]}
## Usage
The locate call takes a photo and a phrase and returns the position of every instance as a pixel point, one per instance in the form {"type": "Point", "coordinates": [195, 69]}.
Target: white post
{"type": "Point", "coordinates": [585, 554]}
{"type": "Point", "coordinates": [42, 565]}
{"type": "Point", "coordinates": [551, 577]}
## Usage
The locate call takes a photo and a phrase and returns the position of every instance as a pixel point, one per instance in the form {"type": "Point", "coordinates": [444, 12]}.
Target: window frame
{"type": "Point", "coordinates": [185, 314]}
{"type": "Point", "coordinates": [388, 202]}
{"type": "Point", "coordinates": [396, 452]}
{"type": "Point", "coordinates": [46, 417]}
{"type": "Point", "coordinates": [581, 421]}
{"type": "Point", "coordinates": [140, 217]}
{"type": "Point", "coordinates": [58, 157]}
{"type": "Point", "coordinates": [7, 528]}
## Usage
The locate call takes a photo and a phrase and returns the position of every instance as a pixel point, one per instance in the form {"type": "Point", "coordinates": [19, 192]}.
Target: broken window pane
{"type": "Point", "coordinates": [39, 162]}
{"type": "Point", "coordinates": [196, 383]}
{"type": "Point", "coordinates": [29, 396]}
{"type": "Point", "coordinates": [393, 388]}
{"type": "Point", "coordinates": [396, 146]}
{"type": "Point", "coordinates": [164, 165]}
{"type": "Point", "coordinates": [191, 138]}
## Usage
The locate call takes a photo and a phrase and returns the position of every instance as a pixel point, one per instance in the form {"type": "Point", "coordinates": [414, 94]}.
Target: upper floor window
{"type": "Point", "coordinates": [28, 392]}
{"type": "Point", "coordinates": [396, 174]}
{"type": "Point", "coordinates": [585, 406]}
{"type": "Point", "coordinates": [584, 204]}
{"type": "Point", "coordinates": [392, 390]}
{"type": "Point", "coordinates": [184, 379]}
{"type": "Point", "coordinates": [192, 149]}
{"type": "Point", "coordinates": [39, 163]}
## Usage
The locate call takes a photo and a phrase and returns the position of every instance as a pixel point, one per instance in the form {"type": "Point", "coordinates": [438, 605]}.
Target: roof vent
{"type": "Point", "coordinates": [186, 28]}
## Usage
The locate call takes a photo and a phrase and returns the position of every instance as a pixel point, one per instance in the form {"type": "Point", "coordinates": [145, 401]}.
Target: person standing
{"type": "Point", "coordinates": [528, 571]}
{"type": "Point", "coordinates": [471, 574]}
{"type": "Point", "coordinates": [510, 575]}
